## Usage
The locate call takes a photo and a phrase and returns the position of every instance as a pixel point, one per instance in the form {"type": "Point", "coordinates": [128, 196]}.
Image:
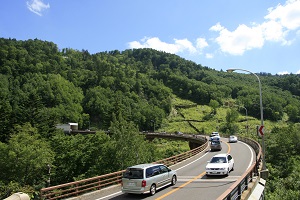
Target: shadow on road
{"type": "Point", "coordinates": [130, 196]}
{"type": "Point", "coordinates": [214, 177]}
{"type": "Point", "coordinates": [138, 196]}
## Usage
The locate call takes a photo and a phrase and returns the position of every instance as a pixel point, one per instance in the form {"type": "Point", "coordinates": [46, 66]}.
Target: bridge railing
{"type": "Point", "coordinates": [236, 190]}
{"type": "Point", "coordinates": [77, 188]}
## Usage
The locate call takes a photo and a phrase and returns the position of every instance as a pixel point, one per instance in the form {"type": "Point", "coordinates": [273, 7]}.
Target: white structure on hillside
{"type": "Point", "coordinates": [68, 127]}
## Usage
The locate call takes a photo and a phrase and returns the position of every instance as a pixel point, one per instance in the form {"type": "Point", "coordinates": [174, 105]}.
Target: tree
{"type": "Point", "coordinates": [25, 158]}
{"type": "Point", "coordinates": [5, 108]}
{"type": "Point", "coordinates": [129, 146]}
{"type": "Point", "coordinates": [293, 113]}
{"type": "Point", "coordinates": [214, 104]}
{"type": "Point", "coordinates": [230, 127]}
{"type": "Point", "coordinates": [283, 163]}
{"type": "Point", "coordinates": [79, 156]}
{"type": "Point", "coordinates": [231, 116]}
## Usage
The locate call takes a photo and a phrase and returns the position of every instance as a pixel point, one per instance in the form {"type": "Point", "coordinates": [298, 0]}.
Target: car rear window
{"type": "Point", "coordinates": [133, 173]}
{"type": "Point", "coordinates": [215, 143]}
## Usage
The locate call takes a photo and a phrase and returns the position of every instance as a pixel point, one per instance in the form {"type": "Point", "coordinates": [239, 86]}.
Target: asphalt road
{"type": "Point", "coordinates": [192, 182]}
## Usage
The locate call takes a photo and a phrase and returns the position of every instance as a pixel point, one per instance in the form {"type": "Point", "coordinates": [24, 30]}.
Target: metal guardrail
{"type": "Point", "coordinates": [236, 190]}
{"type": "Point", "coordinates": [77, 188]}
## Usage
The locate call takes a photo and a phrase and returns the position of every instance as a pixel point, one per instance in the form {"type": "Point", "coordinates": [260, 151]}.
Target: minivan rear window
{"type": "Point", "coordinates": [133, 173]}
{"type": "Point", "coordinates": [215, 143]}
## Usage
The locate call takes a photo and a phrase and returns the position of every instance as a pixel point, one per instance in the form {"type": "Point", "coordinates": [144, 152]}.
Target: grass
{"type": "Point", "coordinates": [167, 148]}
{"type": "Point", "coordinates": [198, 115]}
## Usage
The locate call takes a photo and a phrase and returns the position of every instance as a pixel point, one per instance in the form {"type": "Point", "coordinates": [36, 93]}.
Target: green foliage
{"type": "Point", "coordinates": [128, 146]}
{"type": "Point", "coordinates": [283, 142]}
{"type": "Point", "coordinates": [293, 112]}
{"type": "Point", "coordinates": [230, 127]}
{"type": "Point", "coordinates": [25, 158]}
{"type": "Point", "coordinates": [5, 107]}
{"type": "Point", "coordinates": [78, 155]}
{"type": "Point", "coordinates": [214, 104]}
{"type": "Point", "coordinates": [7, 189]}
{"type": "Point", "coordinates": [231, 116]}
{"type": "Point", "coordinates": [283, 163]}
{"type": "Point", "coordinates": [167, 148]}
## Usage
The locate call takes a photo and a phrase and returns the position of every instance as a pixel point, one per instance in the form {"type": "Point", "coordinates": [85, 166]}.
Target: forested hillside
{"type": "Point", "coordinates": [115, 93]}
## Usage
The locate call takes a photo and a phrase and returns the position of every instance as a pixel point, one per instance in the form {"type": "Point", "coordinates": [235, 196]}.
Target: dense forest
{"type": "Point", "coordinates": [119, 94]}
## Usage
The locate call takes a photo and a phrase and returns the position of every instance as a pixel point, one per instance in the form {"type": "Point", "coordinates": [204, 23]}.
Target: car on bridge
{"type": "Point", "coordinates": [147, 178]}
{"type": "Point", "coordinates": [220, 164]}
{"type": "Point", "coordinates": [178, 133]}
{"type": "Point", "coordinates": [232, 139]}
{"type": "Point", "coordinates": [214, 135]}
{"type": "Point", "coordinates": [215, 144]}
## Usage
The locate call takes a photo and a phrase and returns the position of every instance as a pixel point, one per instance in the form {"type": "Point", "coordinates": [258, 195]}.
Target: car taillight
{"type": "Point", "coordinates": [143, 183]}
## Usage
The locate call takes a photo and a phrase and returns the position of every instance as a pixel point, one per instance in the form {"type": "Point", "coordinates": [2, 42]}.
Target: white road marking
{"type": "Point", "coordinates": [191, 162]}
{"type": "Point", "coordinates": [252, 152]}
{"type": "Point", "coordinates": [209, 180]}
{"type": "Point", "coordinates": [109, 195]}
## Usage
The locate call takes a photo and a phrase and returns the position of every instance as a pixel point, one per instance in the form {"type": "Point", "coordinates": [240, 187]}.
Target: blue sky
{"type": "Point", "coordinates": [256, 35]}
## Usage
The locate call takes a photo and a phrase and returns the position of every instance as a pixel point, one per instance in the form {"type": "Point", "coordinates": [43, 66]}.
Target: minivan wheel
{"type": "Point", "coordinates": [153, 189]}
{"type": "Point", "coordinates": [174, 180]}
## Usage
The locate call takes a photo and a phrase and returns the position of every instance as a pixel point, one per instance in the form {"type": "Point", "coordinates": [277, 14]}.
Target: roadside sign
{"type": "Point", "coordinates": [261, 130]}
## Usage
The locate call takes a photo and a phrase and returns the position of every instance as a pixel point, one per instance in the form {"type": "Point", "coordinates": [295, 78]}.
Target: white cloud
{"type": "Point", "coordinates": [283, 73]}
{"type": "Point", "coordinates": [273, 31]}
{"type": "Point", "coordinates": [279, 22]}
{"type": "Point", "coordinates": [37, 6]}
{"type": "Point", "coordinates": [185, 44]}
{"type": "Point", "coordinates": [286, 72]}
{"type": "Point", "coordinates": [217, 27]}
{"type": "Point", "coordinates": [201, 43]}
{"type": "Point", "coordinates": [238, 41]}
{"type": "Point", "coordinates": [288, 15]}
{"type": "Point", "coordinates": [178, 46]}
{"type": "Point", "coordinates": [209, 55]}
{"type": "Point", "coordinates": [155, 43]}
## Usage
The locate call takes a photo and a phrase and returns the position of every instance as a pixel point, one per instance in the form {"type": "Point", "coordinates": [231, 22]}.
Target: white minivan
{"type": "Point", "coordinates": [147, 178]}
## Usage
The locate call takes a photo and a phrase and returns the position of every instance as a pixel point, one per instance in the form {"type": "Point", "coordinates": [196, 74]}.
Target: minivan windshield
{"type": "Point", "coordinates": [133, 173]}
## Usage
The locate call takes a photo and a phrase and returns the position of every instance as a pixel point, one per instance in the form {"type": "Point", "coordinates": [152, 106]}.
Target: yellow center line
{"type": "Point", "coordinates": [228, 147]}
{"type": "Point", "coordinates": [188, 182]}
{"type": "Point", "coordinates": [183, 185]}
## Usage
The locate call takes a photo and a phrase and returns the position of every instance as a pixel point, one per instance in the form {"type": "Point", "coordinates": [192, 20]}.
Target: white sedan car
{"type": "Point", "coordinates": [220, 164]}
{"type": "Point", "coordinates": [232, 138]}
